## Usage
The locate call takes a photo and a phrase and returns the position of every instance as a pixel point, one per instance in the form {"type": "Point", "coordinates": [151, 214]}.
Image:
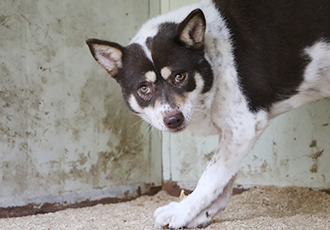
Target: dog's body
{"type": "Point", "coordinates": [226, 68]}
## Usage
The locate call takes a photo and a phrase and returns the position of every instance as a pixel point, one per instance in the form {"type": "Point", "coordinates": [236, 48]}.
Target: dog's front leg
{"type": "Point", "coordinates": [204, 218]}
{"type": "Point", "coordinates": [233, 149]}
{"type": "Point", "coordinates": [209, 190]}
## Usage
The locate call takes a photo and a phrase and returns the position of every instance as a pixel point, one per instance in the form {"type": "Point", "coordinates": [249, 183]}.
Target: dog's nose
{"type": "Point", "coordinates": [174, 121]}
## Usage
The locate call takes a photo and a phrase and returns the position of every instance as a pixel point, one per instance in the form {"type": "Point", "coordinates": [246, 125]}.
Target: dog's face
{"type": "Point", "coordinates": [163, 77]}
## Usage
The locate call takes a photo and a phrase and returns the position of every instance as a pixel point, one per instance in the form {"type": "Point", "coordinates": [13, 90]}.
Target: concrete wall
{"type": "Point", "coordinates": [294, 150]}
{"type": "Point", "coordinates": [65, 134]}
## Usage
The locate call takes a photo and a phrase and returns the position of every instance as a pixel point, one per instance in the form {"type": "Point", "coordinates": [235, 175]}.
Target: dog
{"type": "Point", "coordinates": [224, 67]}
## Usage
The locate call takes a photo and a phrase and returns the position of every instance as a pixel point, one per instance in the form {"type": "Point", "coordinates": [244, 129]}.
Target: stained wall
{"type": "Point", "coordinates": [65, 133]}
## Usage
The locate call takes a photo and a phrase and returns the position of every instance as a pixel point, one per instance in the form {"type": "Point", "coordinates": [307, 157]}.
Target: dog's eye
{"type": "Point", "coordinates": [179, 78]}
{"type": "Point", "coordinates": [144, 89]}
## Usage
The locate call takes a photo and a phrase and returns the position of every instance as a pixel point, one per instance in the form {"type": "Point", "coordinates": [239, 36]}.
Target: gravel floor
{"type": "Point", "coordinates": [261, 208]}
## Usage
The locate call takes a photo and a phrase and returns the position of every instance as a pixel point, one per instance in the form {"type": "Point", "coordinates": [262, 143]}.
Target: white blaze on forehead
{"type": "Point", "coordinates": [151, 76]}
{"type": "Point", "coordinates": [149, 29]}
{"type": "Point", "coordinates": [166, 72]}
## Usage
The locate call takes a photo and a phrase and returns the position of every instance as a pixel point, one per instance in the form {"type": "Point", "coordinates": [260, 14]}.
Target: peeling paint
{"type": "Point", "coordinates": [316, 155]}
{"type": "Point", "coordinates": [313, 169]}
{"type": "Point", "coordinates": [264, 166]}
{"type": "Point", "coordinates": [313, 144]}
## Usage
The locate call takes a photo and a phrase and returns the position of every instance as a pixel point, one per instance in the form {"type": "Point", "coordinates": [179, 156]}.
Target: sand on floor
{"type": "Point", "coordinates": [260, 208]}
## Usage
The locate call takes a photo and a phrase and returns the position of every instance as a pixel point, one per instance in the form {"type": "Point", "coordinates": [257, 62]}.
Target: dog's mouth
{"type": "Point", "coordinates": [177, 130]}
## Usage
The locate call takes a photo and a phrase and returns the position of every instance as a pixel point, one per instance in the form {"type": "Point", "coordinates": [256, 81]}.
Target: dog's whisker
{"type": "Point", "coordinates": [147, 131]}
{"type": "Point", "coordinates": [190, 129]}
{"type": "Point", "coordinates": [136, 123]}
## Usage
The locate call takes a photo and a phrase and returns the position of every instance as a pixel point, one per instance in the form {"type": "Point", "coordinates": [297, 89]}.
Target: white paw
{"type": "Point", "coordinates": [202, 220]}
{"type": "Point", "coordinates": [172, 215]}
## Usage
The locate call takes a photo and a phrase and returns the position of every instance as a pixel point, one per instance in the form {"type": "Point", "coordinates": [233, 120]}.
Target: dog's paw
{"type": "Point", "coordinates": [200, 221]}
{"type": "Point", "coordinates": [172, 215]}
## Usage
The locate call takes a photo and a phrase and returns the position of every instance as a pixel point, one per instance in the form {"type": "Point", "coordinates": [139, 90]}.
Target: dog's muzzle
{"type": "Point", "coordinates": [174, 121]}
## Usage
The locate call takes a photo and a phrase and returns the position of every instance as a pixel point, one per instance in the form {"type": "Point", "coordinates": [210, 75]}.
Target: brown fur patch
{"type": "Point", "coordinates": [151, 76]}
{"type": "Point", "coordinates": [179, 100]}
{"type": "Point", "coordinates": [166, 72]}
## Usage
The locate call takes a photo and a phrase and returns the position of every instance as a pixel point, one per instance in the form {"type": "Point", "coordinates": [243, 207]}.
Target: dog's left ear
{"type": "Point", "coordinates": [191, 30]}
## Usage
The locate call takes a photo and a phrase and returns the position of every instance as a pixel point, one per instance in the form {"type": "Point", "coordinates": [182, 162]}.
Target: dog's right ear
{"type": "Point", "coordinates": [107, 54]}
{"type": "Point", "coordinates": [191, 30]}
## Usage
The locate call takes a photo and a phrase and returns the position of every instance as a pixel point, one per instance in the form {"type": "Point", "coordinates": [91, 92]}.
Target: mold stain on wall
{"type": "Point", "coordinates": [127, 147]}
{"type": "Point", "coordinates": [63, 124]}
{"type": "Point", "coordinates": [300, 143]}
{"type": "Point", "coordinates": [315, 156]}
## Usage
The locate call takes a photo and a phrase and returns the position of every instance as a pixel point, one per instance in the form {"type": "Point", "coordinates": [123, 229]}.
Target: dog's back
{"type": "Point", "coordinates": [277, 46]}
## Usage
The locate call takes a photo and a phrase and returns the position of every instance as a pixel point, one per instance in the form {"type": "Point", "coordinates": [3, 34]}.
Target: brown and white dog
{"type": "Point", "coordinates": [221, 67]}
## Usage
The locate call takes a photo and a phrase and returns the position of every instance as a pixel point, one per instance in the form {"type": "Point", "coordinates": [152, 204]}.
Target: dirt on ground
{"type": "Point", "coordinates": [260, 208]}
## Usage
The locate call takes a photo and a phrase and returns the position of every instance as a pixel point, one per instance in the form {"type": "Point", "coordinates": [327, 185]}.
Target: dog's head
{"type": "Point", "coordinates": [163, 72]}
